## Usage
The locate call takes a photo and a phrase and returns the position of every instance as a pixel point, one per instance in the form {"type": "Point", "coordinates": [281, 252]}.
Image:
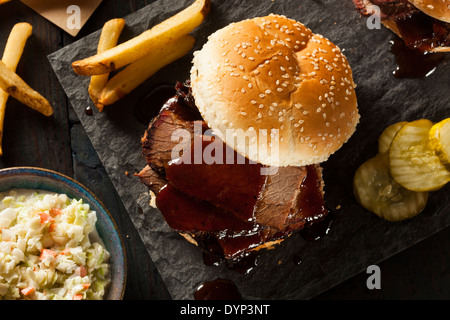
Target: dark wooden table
{"type": "Point", "coordinates": [59, 143]}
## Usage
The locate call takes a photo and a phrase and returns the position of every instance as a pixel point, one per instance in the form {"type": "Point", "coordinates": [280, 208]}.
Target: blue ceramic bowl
{"type": "Point", "coordinates": [44, 179]}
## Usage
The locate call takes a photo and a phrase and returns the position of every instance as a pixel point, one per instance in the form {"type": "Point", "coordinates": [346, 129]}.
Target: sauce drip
{"type": "Point", "coordinates": [419, 35]}
{"type": "Point", "coordinates": [88, 111]}
{"type": "Point", "coordinates": [317, 230]}
{"type": "Point", "coordinates": [218, 289]}
{"type": "Point", "coordinates": [414, 63]}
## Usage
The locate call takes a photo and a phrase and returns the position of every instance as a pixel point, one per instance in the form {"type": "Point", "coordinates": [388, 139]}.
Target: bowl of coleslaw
{"type": "Point", "coordinates": [57, 240]}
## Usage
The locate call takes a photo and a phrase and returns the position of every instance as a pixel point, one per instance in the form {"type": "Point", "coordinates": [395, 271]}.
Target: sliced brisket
{"type": "Point", "coordinates": [231, 206]}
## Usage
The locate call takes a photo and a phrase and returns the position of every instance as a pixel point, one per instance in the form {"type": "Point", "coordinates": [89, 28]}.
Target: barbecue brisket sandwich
{"type": "Point", "coordinates": [422, 24]}
{"type": "Point", "coordinates": [274, 80]}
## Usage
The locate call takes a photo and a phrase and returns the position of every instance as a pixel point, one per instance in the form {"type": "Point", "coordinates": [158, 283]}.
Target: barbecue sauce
{"type": "Point", "coordinates": [217, 202]}
{"type": "Point", "coordinates": [419, 34]}
{"type": "Point", "coordinates": [414, 63]}
{"type": "Point", "coordinates": [311, 203]}
{"type": "Point", "coordinates": [318, 229]}
{"type": "Point", "coordinates": [88, 111]}
{"type": "Point", "coordinates": [225, 183]}
{"type": "Point", "coordinates": [218, 289]}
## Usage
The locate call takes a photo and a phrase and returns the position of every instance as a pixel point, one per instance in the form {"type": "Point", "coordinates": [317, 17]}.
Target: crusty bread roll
{"type": "Point", "coordinates": [273, 75]}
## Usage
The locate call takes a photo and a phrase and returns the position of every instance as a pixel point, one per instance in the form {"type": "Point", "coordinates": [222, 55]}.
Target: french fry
{"type": "Point", "coordinates": [13, 52]}
{"type": "Point", "coordinates": [20, 90]}
{"type": "Point", "coordinates": [137, 72]}
{"type": "Point", "coordinates": [176, 26]}
{"type": "Point", "coordinates": [108, 39]}
{"type": "Point", "coordinates": [4, 1]}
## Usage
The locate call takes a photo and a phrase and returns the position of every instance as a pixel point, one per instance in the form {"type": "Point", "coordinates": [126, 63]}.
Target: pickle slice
{"type": "Point", "coordinates": [388, 134]}
{"type": "Point", "coordinates": [412, 161]}
{"type": "Point", "coordinates": [377, 191]}
{"type": "Point", "coordinates": [440, 141]}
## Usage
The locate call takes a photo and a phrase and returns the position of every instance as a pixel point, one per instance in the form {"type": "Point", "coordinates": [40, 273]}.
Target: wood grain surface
{"type": "Point", "coordinates": [59, 143]}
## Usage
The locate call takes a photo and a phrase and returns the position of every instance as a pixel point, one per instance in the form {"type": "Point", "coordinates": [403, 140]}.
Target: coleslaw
{"type": "Point", "coordinates": [49, 248]}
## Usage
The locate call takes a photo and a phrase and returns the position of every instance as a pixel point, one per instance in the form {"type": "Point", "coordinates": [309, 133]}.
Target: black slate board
{"type": "Point", "coordinates": [356, 238]}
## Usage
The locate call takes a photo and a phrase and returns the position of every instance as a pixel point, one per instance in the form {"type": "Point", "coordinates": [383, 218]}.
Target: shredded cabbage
{"type": "Point", "coordinates": [48, 250]}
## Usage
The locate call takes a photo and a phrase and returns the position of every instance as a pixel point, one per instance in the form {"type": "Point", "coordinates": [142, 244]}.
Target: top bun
{"type": "Point", "coordinates": [289, 90]}
{"type": "Point", "coordinates": [438, 9]}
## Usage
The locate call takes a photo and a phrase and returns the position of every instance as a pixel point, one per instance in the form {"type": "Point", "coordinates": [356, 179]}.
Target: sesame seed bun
{"type": "Point", "coordinates": [276, 81]}
{"type": "Point", "coordinates": [438, 9]}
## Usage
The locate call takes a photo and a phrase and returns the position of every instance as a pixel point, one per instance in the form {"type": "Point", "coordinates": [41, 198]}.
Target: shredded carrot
{"type": "Point", "coordinates": [77, 297]}
{"type": "Point", "coordinates": [86, 285]}
{"type": "Point", "coordinates": [81, 271]}
{"type": "Point", "coordinates": [55, 212]}
{"type": "Point", "coordinates": [65, 251]}
{"type": "Point", "coordinates": [45, 217]}
{"type": "Point", "coordinates": [47, 252]}
{"type": "Point", "coordinates": [52, 227]}
{"type": "Point", "coordinates": [27, 291]}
